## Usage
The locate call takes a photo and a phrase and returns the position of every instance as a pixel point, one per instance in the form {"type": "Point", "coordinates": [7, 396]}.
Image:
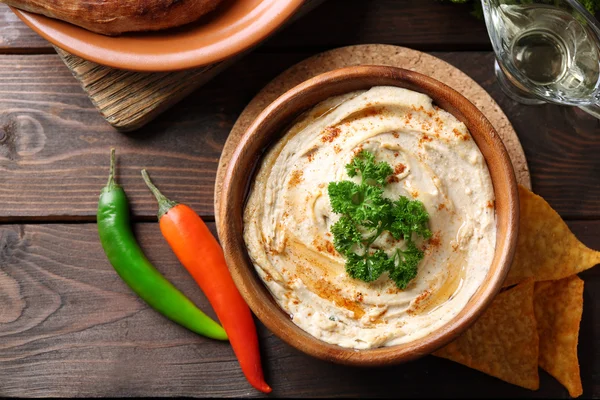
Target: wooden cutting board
{"type": "Point", "coordinates": [128, 100]}
{"type": "Point", "coordinates": [378, 54]}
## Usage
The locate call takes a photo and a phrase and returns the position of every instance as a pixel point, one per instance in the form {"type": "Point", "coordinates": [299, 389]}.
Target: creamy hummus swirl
{"type": "Point", "coordinates": [288, 217]}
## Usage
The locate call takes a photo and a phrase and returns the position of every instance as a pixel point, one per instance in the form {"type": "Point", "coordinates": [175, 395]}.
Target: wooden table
{"type": "Point", "coordinates": [68, 324]}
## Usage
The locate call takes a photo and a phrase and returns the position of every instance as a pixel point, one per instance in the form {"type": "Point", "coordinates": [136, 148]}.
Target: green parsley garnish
{"type": "Point", "coordinates": [366, 215]}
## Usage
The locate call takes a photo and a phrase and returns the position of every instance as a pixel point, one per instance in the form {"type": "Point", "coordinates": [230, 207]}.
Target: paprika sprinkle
{"type": "Point", "coordinates": [133, 267]}
{"type": "Point", "coordinates": [200, 253]}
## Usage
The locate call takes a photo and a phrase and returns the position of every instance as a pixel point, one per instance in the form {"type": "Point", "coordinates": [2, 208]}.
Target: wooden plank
{"type": "Point", "coordinates": [54, 144]}
{"type": "Point", "coordinates": [16, 37]}
{"type": "Point", "coordinates": [129, 100]}
{"type": "Point", "coordinates": [422, 24]}
{"type": "Point", "coordinates": [70, 327]}
{"type": "Point", "coordinates": [427, 25]}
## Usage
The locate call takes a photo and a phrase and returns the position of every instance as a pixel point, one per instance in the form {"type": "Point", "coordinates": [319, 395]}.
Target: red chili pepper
{"type": "Point", "coordinates": [200, 253]}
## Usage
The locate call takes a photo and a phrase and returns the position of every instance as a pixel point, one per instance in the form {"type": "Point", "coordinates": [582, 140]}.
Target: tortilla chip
{"type": "Point", "coordinates": [546, 248]}
{"type": "Point", "coordinates": [558, 307]}
{"type": "Point", "coordinates": [504, 341]}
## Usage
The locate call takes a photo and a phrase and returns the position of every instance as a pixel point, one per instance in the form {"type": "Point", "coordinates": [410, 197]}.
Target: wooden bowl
{"type": "Point", "coordinates": [270, 125]}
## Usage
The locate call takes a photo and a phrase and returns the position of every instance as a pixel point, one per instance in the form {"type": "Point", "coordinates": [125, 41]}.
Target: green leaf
{"type": "Point", "coordinates": [372, 173]}
{"type": "Point", "coordinates": [345, 235]}
{"type": "Point", "coordinates": [369, 267]}
{"type": "Point", "coordinates": [344, 196]}
{"type": "Point", "coordinates": [409, 216]}
{"type": "Point", "coordinates": [405, 263]}
{"type": "Point", "coordinates": [363, 204]}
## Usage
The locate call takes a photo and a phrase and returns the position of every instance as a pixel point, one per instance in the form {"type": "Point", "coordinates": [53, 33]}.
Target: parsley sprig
{"type": "Point", "coordinates": [366, 215]}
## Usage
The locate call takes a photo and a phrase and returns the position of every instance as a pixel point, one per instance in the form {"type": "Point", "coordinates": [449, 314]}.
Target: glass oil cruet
{"type": "Point", "coordinates": [546, 51]}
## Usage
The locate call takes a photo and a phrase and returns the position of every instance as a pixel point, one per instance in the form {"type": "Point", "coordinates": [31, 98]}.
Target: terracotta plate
{"type": "Point", "coordinates": [234, 27]}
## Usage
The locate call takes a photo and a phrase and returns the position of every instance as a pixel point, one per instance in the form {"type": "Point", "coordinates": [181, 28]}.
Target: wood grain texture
{"type": "Point", "coordinates": [54, 147]}
{"type": "Point", "coordinates": [128, 100]}
{"type": "Point", "coordinates": [421, 24]}
{"type": "Point", "coordinates": [429, 25]}
{"type": "Point", "coordinates": [70, 327]}
{"type": "Point", "coordinates": [16, 37]}
{"type": "Point", "coordinates": [54, 144]}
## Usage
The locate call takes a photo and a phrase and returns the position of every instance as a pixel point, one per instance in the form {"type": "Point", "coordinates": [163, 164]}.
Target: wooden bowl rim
{"type": "Point", "coordinates": [245, 160]}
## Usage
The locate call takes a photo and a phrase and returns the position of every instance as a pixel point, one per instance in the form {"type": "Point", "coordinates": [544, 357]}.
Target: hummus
{"type": "Point", "coordinates": [288, 217]}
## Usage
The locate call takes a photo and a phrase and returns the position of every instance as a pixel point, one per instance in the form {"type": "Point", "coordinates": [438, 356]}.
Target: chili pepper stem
{"type": "Point", "coordinates": [164, 204]}
{"type": "Point", "coordinates": [111, 177]}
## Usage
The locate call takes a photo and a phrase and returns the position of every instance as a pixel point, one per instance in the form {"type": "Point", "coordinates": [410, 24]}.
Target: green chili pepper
{"type": "Point", "coordinates": [133, 267]}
